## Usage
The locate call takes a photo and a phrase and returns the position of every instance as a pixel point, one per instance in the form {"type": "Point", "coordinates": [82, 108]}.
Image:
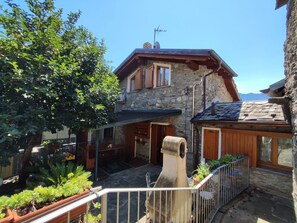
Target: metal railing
{"type": "Point", "coordinates": [156, 204]}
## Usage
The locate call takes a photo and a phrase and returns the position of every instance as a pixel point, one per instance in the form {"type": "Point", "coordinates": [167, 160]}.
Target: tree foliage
{"type": "Point", "coordinates": [52, 73]}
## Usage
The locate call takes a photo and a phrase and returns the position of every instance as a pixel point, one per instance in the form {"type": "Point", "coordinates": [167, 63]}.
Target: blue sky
{"type": "Point", "coordinates": [248, 34]}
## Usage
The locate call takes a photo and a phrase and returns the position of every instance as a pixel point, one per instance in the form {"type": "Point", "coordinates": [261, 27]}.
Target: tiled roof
{"type": "Point", "coordinates": [249, 111]}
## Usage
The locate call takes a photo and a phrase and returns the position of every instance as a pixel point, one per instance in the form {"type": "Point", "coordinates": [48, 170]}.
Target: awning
{"type": "Point", "coordinates": [126, 117]}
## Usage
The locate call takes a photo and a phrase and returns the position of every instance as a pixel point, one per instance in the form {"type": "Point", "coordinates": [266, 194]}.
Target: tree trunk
{"type": "Point", "coordinates": [23, 173]}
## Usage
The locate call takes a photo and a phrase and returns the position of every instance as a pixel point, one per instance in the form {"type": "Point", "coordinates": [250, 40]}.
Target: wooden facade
{"type": "Point", "coordinates": [244, 142]}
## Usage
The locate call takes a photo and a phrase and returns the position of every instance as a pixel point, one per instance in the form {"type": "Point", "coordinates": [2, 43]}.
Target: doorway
{"type": "Point", "coordinates": [211, 144]}
{"type": "Point", "coordinates": [158, 134]}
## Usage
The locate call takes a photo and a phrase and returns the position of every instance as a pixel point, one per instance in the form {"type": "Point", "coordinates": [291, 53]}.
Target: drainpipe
{"type": "Point", "coordinates": [193, 113]}
{"type": "Point", "coordinates": [204, 84]}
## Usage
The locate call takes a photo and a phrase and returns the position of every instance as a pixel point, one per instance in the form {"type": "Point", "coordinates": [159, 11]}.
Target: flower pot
{"type": "Point", "coordinates": [54, 206]}
{"type": "Point", "coordinates": [8, 218]}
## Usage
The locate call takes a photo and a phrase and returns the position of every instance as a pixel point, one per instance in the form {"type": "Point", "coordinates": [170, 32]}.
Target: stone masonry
{"type": "Point", "coordinates": [179, 95]}
{"type": "Point", "coordinates": [291, 81]}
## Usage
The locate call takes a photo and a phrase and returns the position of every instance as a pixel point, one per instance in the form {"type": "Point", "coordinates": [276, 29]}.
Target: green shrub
{"type": "Point", "coordinates": [4, 200]}
{"type": "Point", "coordinates": [29, 200]}
{"type": "Point", "coordinates": [58, 174]}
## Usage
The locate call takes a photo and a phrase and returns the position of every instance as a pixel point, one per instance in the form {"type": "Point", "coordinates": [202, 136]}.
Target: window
{"type": "Point", "coordinates": [132, 83]}
{"type": "Point", "coordinates": [108, 133]}
{"type": "Point", "coordinates": [275, 152]}
{"type": "Point", "coordinates": [162, 76]}
{"type": "Point", "coordinates": [135, 81]}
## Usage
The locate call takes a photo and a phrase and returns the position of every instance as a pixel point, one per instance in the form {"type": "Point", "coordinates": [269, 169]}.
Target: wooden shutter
{"type": "Point", "coordinates": [149, 77]}
{"type": "Point", "coordinates": [138, 80]}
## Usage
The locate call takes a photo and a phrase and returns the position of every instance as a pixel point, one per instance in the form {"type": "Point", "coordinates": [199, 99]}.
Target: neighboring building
{"type": "Point", "coordinates": [291, 78]}
{"type": "Point", "coordinates": [257, 129]}
{"type": "Point", "coordinates": [162, 90]}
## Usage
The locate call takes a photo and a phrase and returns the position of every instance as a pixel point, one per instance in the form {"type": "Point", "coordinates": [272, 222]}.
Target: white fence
{"type": "Point", "coordinates": [130, 204]}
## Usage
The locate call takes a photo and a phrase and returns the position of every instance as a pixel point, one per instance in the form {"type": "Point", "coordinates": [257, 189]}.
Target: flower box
{"type": "Point", "coordinates": [75, 213]}
{"type": "Point", "coordinates": [8, 218]}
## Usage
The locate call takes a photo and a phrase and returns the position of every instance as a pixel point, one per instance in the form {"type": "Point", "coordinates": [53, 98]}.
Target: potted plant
{"type": "Point", "coordinates": [5, 213]}
{"type": "Point", "coordinates": [201, 172]}
{"type": "Point", "coordinates": [63, 185]}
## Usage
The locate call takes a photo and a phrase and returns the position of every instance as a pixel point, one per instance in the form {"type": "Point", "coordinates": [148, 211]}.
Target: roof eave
{"type": "Point", "coordinates": [280, 3]}
{"type": "Point", "coordinates": [274, 123]}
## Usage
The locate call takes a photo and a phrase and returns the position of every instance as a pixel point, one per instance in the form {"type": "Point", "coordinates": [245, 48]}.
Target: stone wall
{"type": "Point", "coordinates": [291, 81]}
{"type": "Point", "coordinates": [271, 181]}
{"type": "Point", "coordinates": [179, 95]}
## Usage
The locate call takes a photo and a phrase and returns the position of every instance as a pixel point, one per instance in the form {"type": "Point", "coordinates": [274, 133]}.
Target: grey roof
{"type": "Point", "coordinates": [126, 117]}
{"type": "Point", "coordinates": [276, 89]}
{"type": "Point", "coordinates": [249, 111]}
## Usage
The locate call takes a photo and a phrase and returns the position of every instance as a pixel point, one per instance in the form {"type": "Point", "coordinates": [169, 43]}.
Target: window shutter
{"type": "Point", "coordinates": [138, 80]}
{"type": "Point", "coordinates": [149, 77]}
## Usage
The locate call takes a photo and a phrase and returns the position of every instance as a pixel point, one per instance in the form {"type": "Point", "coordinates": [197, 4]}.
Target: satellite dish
{"type": "Point", "coordinates": [157, 45]}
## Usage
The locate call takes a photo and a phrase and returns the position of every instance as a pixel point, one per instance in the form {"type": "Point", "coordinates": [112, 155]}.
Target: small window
{"type": "Point", "coordinates": [284, 157]}
{"type": "Point", "coordinates": [264, 144]}
{"type": "Point", "coordinates": [275, 152]}
{"type": "Point", "coordinates": [163, 75]}
{"type": "Point", "coordinates": [108, 133]}
{"type": "Point", "coordinates": [135, 81]}
{"type": "Point", "coordinates": [132, 83]}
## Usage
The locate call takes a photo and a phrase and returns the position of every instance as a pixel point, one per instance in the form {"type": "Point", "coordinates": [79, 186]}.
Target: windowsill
{"type": "Point", "coordinates": [162, 86]}
{"type": "Point", "coordinates": [137, 91]}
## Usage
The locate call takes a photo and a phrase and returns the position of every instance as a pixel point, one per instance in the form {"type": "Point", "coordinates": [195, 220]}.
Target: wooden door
{"type": "Point", "coordinates": [211, 144]}
{"type": "Point", "coordinates": [158, 134]}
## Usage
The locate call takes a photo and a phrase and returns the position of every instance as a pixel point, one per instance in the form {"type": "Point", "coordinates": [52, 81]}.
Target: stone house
{"type": "Point", "coordinates": [291, 77]}
{"type": "Point", "coordinates": [257, 129]}
{"type": "Point", "coordinates": [162, 89]}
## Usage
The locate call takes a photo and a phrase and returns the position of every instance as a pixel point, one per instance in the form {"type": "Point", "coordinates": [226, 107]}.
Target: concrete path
{"type": "Point", "coordinates": [257, 206]}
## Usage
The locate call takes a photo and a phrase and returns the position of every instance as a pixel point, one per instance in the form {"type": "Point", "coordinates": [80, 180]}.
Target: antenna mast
{"type": "Point", "coordinates": [157, 30]}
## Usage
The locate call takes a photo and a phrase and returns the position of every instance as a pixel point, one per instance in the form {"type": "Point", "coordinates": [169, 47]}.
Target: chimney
{"type": "Point", "coordinates": [213, 109]}
{"type": "Point", "coordinates": [147, 45]}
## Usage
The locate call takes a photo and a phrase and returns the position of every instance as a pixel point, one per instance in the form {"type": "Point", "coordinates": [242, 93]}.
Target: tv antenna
{"type": "Point", "coordinates": [158, 30]}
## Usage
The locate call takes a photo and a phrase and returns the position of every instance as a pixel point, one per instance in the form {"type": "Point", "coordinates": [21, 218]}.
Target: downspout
{"type": "Point", "coordinates": [204, 83]}
{"type": "Point", "coordinates": [193, 113]}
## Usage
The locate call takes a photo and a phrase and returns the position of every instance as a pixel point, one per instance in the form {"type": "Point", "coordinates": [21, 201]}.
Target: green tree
{"type": "Point", "coordinates": [52, 73]}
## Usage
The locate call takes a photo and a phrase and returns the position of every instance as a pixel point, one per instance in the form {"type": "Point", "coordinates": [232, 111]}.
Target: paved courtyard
{"type": "Point", "coordinates": [252, 206]}
{"type": "Point", "coordinates": [256, 206]}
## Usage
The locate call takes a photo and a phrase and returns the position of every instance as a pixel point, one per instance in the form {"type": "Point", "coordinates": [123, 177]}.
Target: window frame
{"type": "Point", "coordinates": [155, 81]}
{"type": "Point", "coordinates": [274, 153]}
{"type": "Point", "coordinates": [133, 76]}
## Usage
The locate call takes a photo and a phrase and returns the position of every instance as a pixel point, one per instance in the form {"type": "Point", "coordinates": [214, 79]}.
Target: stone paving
{"type": "Point", "coordinates": [130, 178]}
{"type": "Point", "coordinates": [258, 206]}
{"type": "Point", "coordinates": [252, 206]}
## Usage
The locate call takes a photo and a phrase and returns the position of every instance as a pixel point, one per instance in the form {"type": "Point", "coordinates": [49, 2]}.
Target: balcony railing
{"type": "Point", "coordinates": [131, 204]}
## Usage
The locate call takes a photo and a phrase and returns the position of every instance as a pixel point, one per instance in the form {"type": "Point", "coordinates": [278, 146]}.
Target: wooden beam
{"type": "Point", "coordinates": [279, 100]}
{"type": "Point", "coordinates": [192, 65]}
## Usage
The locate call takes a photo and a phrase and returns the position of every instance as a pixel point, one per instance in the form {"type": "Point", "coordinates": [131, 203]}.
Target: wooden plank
{"type": "Point", "coordinates": [237, 142]}
{"type": "Point", "coordinates": [211, 143]}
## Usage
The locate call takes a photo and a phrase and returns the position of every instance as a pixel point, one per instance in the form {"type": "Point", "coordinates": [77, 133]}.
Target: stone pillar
{"type": "Point", "coordinates": [175, 206]}
{"type": "Point", "coordinates": [291, 81]}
